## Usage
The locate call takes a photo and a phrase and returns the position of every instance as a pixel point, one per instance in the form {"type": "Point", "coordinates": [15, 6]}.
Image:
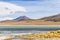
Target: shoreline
{"type": "Point", "coordinates": [29, 26]}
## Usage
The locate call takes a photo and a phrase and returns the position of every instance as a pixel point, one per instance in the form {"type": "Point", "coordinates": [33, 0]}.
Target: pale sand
{"type": "Point", "coordinates": [48, 39]}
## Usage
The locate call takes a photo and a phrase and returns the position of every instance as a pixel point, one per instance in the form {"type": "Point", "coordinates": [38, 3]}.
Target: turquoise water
{"type": "Point", "coordinates": [7, 29]}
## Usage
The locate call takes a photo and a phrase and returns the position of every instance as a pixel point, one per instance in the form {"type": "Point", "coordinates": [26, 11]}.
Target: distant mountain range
{"type": "Point", "coordinates": [24, 20]}
{"type": "Point", "coordinates": [52, 18]}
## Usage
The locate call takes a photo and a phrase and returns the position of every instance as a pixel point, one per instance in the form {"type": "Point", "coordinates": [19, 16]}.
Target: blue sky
{"type": "Point", "coordinates": [35, 8]}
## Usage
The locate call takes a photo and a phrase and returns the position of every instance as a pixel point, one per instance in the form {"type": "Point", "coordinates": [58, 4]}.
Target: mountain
{"type": "Point", "coordinates": [22, 18]}
{"type": "Point", "coordinates": [52, 18]}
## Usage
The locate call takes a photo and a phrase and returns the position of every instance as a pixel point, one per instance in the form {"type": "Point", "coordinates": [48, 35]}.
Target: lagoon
{"type": "Point", "coordinates": [21, 29]}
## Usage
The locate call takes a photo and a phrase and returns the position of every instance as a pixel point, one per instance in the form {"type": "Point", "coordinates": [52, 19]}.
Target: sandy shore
{"type": "Point", "coordinates": [29, 26]}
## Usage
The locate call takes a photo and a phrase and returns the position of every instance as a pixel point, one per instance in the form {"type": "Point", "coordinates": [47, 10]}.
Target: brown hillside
{"type": "Point", "coordinates": [30, 22]}
{"type": "Point", "coordinates": [52, 18]}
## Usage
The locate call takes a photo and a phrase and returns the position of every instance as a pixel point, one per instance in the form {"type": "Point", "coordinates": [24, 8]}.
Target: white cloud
{"type": "Point", "coordinates": [6, 18]}
{"type": "Point", "coordinates": [8, 8]}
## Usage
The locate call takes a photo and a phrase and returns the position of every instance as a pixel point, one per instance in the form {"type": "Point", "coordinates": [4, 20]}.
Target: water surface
{"type": "Point", "coordinates": [5, 30]}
